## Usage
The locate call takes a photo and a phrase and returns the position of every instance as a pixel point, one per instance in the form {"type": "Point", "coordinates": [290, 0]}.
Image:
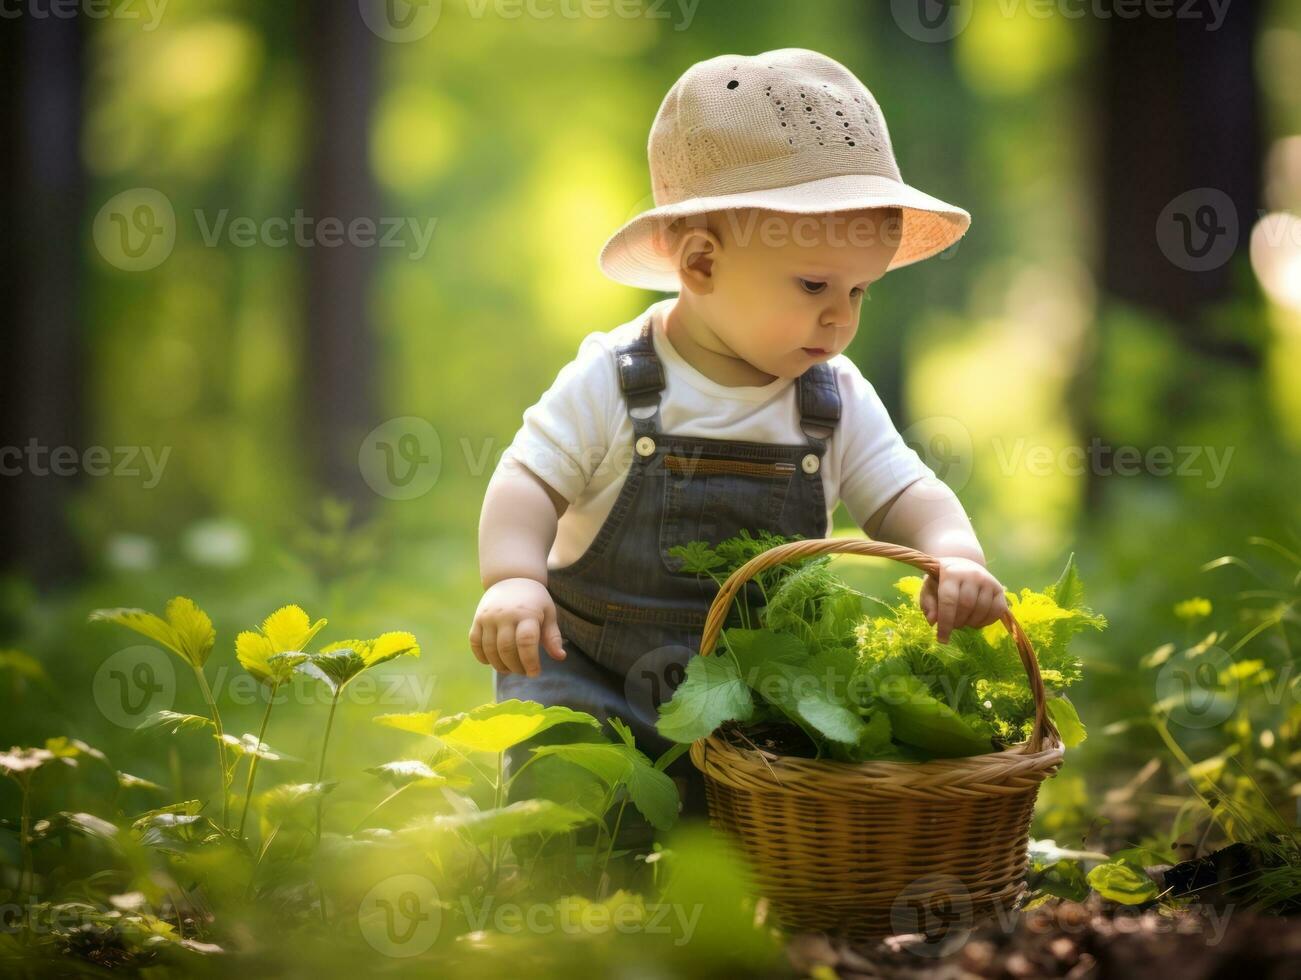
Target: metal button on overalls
{"type": "Point", "coordinates": [630, 617]}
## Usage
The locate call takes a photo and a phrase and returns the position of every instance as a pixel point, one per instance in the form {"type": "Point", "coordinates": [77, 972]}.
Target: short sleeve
{"type": "Point", "coordinates": [875, 461]}
{"type": "Point", "coordinates": [566, 433]}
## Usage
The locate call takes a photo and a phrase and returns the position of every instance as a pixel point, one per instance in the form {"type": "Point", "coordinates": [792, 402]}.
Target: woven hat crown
{"type": "Point", "coordinates": [739, 123]}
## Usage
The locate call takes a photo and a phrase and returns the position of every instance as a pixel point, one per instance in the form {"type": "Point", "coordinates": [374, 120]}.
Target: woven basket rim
{"type": "Point", "coordinates": [970, 771]}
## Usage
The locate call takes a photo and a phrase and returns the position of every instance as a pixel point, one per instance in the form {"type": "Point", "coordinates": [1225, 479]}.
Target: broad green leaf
{"type": "Point", "coordinates": [172, 722]}
{"type": "Point", "coordinates": [417, 722]}
{"type": "Point", "coordinates": [271, 654]}
{"type": "Point", "coordinates": [187, 631]}
{"type": "Point", "coordinates": [653, 792]}
{"type": "Point", "coordinates": [333, 667]}
{"type": "Point", "coordinates": [289, 802]}
{"type": "Point", "coordinates": [1120, 882]}
{"type": "Point", "coordinates": [610, 763]}
{"type": "Point", "coordinates": [516, 820]}
{"type": "Point", "coordinates": [1064, 879]}
{"type": "Point", "coordinates": [338, 663]}
{"type": "Point", "coordinates": [777, 668]}
{"type": "Point", "coordinates": [496, 727]}
{"type": "Point", "coordinates": [875, 738]}
{"type": "Point", "coordinates": [918, 718]}
{"type": "Point", "coordinates": [711, 693]}
{"type": "Point", "coordinates": [1067, 720]}
{"type": "Point", "coordinates": [290, 629]}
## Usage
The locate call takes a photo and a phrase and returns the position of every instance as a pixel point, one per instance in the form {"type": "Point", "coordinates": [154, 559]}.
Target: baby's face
{"type": "Point", "coordinates": [788, 289]}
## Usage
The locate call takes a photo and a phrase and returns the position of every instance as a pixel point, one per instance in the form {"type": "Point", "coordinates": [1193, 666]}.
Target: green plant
{"type": "Point", "coordinates": [187, 632]}
{"type": "Point", "coordinates": [491, 729]}
{"type": "Point", "coordinates": [862, 687]}
{"type": "Point", "coordinates": [270, 656]}
{"type": "Point", "coordinates": [338, 664]}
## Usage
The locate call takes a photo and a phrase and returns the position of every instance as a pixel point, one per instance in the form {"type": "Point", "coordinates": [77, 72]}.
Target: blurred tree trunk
{"type": "Point", "coordinates": [341, 361]}
{"type": "Point", "coordinates": [927, 109]}
{"type": "Point", "coordinates": [1176, 111]}
{"type": "Point", "coordinates": [41, 192]}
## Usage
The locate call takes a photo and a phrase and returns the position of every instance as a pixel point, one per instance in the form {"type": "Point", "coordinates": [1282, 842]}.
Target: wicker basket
{"type": "Point", "coordinates": [865, 850]}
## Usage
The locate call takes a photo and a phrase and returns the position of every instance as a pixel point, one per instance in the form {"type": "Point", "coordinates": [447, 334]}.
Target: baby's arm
{"type": "Point", "coordinates": [927, 516]}
{"type": "Point", "coordinates": [517, 527]}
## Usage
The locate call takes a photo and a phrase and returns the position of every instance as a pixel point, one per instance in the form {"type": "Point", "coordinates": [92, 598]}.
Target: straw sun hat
{"type": "Point", "coordinates": [787, 130]}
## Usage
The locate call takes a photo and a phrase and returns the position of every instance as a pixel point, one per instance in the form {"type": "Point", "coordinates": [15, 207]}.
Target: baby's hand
{"type": "Point", "coordinates": [966, 595]}
{"type": "Point", "coordinates": [507, 624]}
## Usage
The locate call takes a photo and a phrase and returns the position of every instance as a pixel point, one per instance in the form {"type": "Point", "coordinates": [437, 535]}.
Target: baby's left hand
{"type": "Point", "coordinates": [966, 595]}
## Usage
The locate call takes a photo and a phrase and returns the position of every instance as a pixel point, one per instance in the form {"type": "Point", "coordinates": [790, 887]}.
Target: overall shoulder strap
{"type": "Point", "coordinates": [641, 376]}
{"type": "Point", "coordinates": [819, 403]}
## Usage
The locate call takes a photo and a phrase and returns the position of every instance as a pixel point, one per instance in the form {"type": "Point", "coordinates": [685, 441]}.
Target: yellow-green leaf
{"type": "Point", "coordinates": [187, 631]}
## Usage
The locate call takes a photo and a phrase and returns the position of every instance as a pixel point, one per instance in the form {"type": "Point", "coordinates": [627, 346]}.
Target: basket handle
{"type": "Point", "coordinates": [880, 549]}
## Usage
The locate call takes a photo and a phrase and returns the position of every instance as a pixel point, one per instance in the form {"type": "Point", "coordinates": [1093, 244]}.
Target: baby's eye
{"type": "Point", "coordinates": [815, 287]}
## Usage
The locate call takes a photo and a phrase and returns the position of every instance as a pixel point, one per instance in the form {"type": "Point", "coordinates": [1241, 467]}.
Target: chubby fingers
{"type": "Point", "coordinates": [526, 640]}
{"type": "Point", "coordinates": [948, 597]}
{"type": "Point", "coordinates": [507, 649]}
{"type": "Point", "coordinates": [926, 599]}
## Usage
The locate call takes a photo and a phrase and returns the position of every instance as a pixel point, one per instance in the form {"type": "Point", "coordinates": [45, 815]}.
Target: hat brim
{"type": "Point", "coordinates": [929, 224]}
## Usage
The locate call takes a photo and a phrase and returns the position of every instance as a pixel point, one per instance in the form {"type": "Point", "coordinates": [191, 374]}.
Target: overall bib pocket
{"type": "Point", "coordinates": [711, 499]}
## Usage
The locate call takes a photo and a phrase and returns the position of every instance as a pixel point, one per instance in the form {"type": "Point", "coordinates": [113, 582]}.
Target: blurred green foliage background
{"type": "Point", "coordinates": [523, 140]}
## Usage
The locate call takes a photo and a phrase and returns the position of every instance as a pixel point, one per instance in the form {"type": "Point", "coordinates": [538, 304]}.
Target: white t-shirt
{"type": "Point", "coordinates": [578, 437]}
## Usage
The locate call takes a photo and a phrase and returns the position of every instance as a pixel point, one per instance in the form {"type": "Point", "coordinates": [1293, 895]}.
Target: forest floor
{"type": "Point", "coordinates": [1094, 939]}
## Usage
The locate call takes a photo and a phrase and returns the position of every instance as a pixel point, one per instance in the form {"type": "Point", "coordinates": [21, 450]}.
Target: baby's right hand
{"type": "Point", "coordinates": [511, 616]}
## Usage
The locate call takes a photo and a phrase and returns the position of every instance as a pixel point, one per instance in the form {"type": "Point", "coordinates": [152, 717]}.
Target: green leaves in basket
{"type": "Point", "coordinates": [877, 685]}
{"type": "Point", "coordinates": [778, 667]}
{"type": "Point", "coordinates": [920, 719]}
{"type": "Point", "coordinates": [711, 693]}
{"type": "Point", "coordinates": [1067, 721]}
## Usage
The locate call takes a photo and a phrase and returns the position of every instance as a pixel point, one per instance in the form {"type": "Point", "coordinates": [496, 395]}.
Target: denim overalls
{"type": "Point", "coordinates": [629, 616]}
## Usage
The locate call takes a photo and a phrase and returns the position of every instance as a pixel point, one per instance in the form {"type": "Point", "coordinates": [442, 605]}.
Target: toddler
{"type": "Point", "coordinates": [728, 405]}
